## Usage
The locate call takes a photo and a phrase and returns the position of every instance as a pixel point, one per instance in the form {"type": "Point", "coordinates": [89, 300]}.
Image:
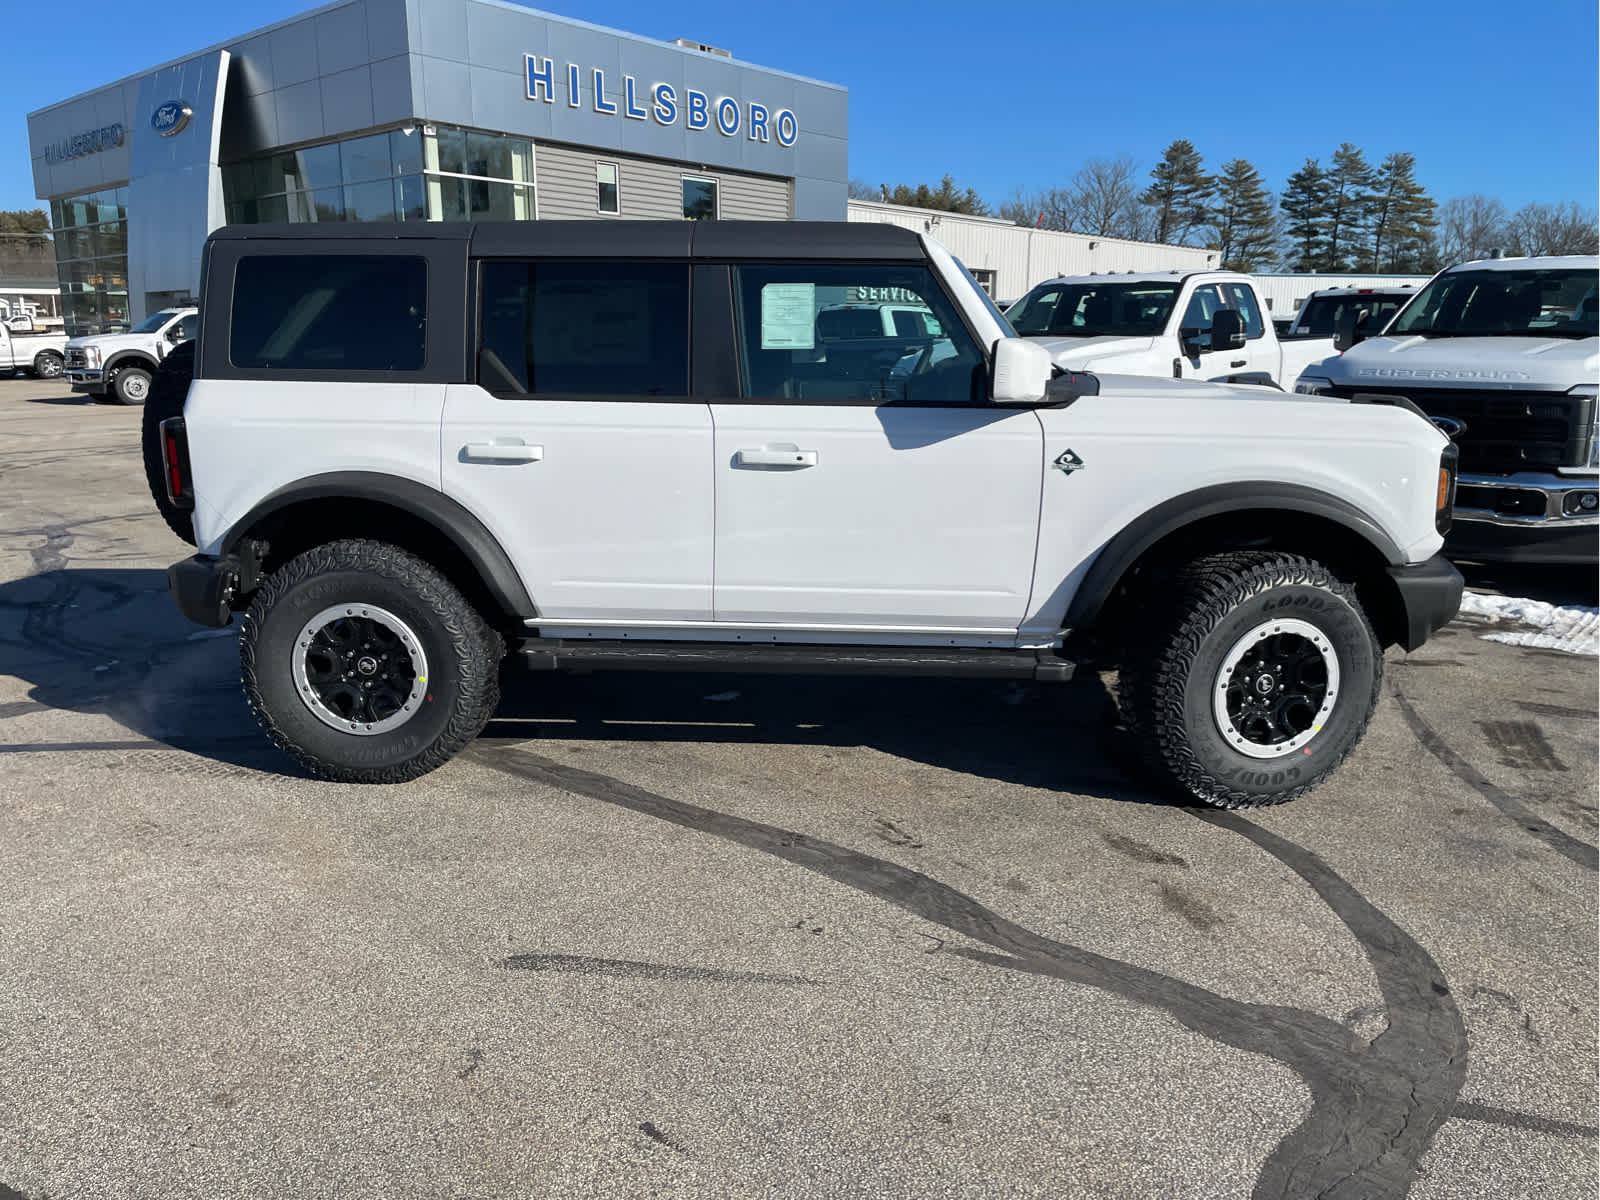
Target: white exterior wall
{"type": "Point", "coordinates": [1021, 257]}
{"type": "Point", "coordinates": [1284, 294]}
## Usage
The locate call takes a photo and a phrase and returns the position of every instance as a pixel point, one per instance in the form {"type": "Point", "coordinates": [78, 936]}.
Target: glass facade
{"type": "Point", "coordinates": [91, 236]}
{"type": "Point", "coordinates": [446, 175]}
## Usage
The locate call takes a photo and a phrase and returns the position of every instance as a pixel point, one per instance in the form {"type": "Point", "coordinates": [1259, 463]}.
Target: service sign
{"type": "Point", "coordinates": [661, 103]}
{"type": "Point", "coordinates": [171, 118]}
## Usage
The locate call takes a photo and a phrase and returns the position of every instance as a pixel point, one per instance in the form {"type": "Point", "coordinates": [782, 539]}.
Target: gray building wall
{"type": "Point", "coordinates": [648, 188]}
{"type": "Point", "coordinates": [362, 64]}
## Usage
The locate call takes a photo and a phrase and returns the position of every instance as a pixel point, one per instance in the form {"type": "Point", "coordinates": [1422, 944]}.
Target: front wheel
{"type": "Point", "coordinates": [366, 664]}
{"type": "Point", "coordinates": [130, 385]}
{"type": "Point", "coordinates": [1257, 680]}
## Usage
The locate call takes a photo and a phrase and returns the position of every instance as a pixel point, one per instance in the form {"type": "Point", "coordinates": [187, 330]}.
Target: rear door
{"type": "Point", "coordinates": [865, 485]}
{"type": "Point", "coordinates": [579, 446]}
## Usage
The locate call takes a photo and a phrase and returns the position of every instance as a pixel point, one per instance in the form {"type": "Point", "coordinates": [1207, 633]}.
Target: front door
{"type": "Point", "coordinates": [579, 446]}
{"type": "Point", "coordinates": [1200, 360]}
{"type": "Point", "coordinates": [863, 482]}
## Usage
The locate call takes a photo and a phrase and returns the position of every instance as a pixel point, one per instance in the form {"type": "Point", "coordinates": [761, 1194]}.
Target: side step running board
{"type": "Point", "coordinates": [554, 654]}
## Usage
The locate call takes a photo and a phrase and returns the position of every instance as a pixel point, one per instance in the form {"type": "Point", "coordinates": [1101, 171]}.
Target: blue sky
{"type": "Point", "coordinates": [1491, 97]}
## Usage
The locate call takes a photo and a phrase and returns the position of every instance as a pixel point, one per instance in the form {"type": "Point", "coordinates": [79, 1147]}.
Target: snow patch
{"type": "Point", "coordinates": [1574, 629]}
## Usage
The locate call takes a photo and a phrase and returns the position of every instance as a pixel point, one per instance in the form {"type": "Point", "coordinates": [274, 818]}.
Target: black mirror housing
{"type": "Point", "coordinates": [1227, 329]}
{"type": "Point", "coordinates": [1351, 329]}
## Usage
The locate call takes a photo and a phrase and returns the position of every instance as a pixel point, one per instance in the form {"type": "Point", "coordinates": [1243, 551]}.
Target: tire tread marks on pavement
{"type": "Point", "coordinates": [1375, 1107]}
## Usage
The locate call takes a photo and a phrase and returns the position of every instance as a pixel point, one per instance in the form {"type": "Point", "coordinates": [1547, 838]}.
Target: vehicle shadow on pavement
{"type": "Point", "coordinates": [1053, 736]}
{"type": "Point", "coordinates": [1551, 583]}
{"type": "Point", "coordinates": [109, 642]}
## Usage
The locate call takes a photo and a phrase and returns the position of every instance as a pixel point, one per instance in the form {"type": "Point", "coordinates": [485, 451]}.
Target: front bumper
{"type": "Point", "coordinates": [84, 380]}
{"type": "Point", "coordinates": [1526, 517]}
{"type": "Point", "coordinates": [1430, 595]}
{"type": "Point", "coordinates": [204, 588]}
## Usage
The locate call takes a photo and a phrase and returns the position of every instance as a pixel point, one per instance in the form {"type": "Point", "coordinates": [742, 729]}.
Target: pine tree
{"type": "Point", "coordinates": [1179, 193]}
{"type": "Point", "coordinates": [1243, 225]}
{"type": "Point", "coordinates": [1349, 206]}
{"type": "Point", "coordinates": [1306, 203]}
{"type": "Point", "coordinates": [1403, 219]}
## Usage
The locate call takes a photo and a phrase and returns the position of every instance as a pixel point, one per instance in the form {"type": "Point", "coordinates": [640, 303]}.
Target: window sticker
{"type": "Point", "coordinates": [788, 316]}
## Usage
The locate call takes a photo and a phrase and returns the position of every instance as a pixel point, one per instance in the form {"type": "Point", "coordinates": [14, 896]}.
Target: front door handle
{"type": "Point", "coordinates": [512, 452]}
{"type": "Point", "coordinates": [775, 458]}
{"type": "Point", "coordinates": [1238, 362]}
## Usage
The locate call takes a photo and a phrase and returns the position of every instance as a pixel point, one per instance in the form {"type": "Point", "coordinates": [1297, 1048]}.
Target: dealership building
{"type": "Point", "coordinates": [412, 110]}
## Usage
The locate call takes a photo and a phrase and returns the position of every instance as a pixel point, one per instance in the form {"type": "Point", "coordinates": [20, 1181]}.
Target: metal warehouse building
{"type": "Point", "coordinates": [417, 110]}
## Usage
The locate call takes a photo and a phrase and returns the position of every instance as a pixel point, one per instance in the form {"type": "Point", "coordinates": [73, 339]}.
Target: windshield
{"type": "Point", "coordinates": [1320, 317]}
{"type": "Point", "coordinates": [1531, 303]}
{"type": "Point", "coordinates": [1094, 308]}
{"type": "Point", "coordinates": [154, 321]}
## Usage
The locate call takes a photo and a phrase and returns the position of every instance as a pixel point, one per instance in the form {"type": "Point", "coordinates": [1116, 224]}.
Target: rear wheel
{"type": "Point", "coordinates": [366, 664]}
{"type": "Point", "coordinates": [47, 364]}
{"type": "Point", "coordinates": [168, 390]}
{"type": "Point", "coordinates": [130, 385]}
{"type": "Point", "coordinates": [1257, 679]}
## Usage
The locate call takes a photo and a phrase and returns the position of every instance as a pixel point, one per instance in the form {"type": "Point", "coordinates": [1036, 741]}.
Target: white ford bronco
{"type": "Point", "coordinates": [409, 449]}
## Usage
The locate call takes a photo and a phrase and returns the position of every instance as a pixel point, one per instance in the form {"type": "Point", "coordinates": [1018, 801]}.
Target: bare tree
{"type": "Point", "coordinates": [860, 189]}
{"type": "Point", "coordinates": [1102, 199]}
{"type": "Point", "coordinates": [1055, 209]}
{"type": "Point", "coordinates": [1553, 229]}
{"type": "Point", "coordinates": [1471, 226]}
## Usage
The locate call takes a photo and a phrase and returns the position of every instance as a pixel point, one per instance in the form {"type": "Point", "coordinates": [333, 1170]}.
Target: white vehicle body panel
{"type": "Point", "coordinates": [1142, 444]}
{"type": "Point", "coordinates": [1507, 363]}
{"type": "Point", "coordinates": [922, 518]}
{"type": "Point", "coordinates": [613, 518]}
{"type": "Point", "coordinates": [249, 439]}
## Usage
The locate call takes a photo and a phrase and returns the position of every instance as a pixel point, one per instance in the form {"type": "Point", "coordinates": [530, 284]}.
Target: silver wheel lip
{"type": "Point", "coordinates": [136, 387]}
{"type": "Point", "coordinates": [308, 693]}
{"type": "Point", "coordinates": [1219, 688]}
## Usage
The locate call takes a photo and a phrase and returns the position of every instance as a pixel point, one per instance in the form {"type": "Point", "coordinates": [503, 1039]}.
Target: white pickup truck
{"type": "Point", "coordinates": [117, 367]}
{"type": "Point", "coordinates": [1200, 325]}
{"type": "Point", "coordinates": [1319, 316]}
{"type": "Point", "coordinates": [43, 354]}
{"type": "Point", "coordinates": [1502, 354]}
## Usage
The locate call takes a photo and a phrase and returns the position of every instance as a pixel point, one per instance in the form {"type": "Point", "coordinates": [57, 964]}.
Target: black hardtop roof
{"type": "Point", "coordinates": [615, 239]}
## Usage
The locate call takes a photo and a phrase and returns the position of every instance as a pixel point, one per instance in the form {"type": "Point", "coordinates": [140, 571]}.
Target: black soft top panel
{"type": "Point", "coordinates": [617, 239]}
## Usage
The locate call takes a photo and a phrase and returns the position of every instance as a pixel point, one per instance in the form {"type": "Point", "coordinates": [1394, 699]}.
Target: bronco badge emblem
{"type": "Point", "coordinates": [1068, 462]}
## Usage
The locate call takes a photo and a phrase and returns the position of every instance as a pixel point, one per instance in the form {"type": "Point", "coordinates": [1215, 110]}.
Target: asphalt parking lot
{"type": "Point", "coordinates": [737, 936]}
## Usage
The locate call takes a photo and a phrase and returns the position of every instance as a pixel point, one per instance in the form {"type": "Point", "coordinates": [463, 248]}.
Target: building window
{"type": "Point", "coordinates": [406, 174]}
{"type": "Point", "coordinates": [585, 329]}
{"type": "Point", "coordinates": [699, 198]}
{"type": "Point", "coordinates": [91, 238]}
{"type": "Point", "coordinates": [605, 185]}
{"type": "Point", "coordinates": [984, 278]}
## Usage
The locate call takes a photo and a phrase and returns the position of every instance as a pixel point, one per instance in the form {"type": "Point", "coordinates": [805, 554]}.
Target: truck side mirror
{"type": "Point", "coordinates": [1351, 329]}
{"type": "Point", "coordinates": [1227, 329]}
{"type": "Point", "coordinates": [1022, 372]}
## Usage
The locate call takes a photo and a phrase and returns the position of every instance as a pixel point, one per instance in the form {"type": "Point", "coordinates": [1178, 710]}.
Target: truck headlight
{"type": "Point", "coordinates": [1313, 385]}
{"type": "Point", "coordinates": [91, 356]}
{"type": "Point", "coordinates": [1582, 391]}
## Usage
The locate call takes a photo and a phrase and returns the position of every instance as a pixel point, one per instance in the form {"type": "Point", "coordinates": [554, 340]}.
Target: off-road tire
{"type": "Point", "coordinates": [47, 364]}
{"type": "Point", "coordinates": [168, 389]}
{"type": "Point", "coordinates": [129, 385]}
{"type": "Point", "coordinates": [1168, 681]}
{"type": "Point", "coordinates": [463, 656]}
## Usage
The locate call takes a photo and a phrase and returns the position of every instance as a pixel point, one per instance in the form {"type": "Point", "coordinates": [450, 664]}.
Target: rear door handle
{"type": "Point", "coordinates": [512, 452]}
{"type": "Point", "coordinates": [775, 458]}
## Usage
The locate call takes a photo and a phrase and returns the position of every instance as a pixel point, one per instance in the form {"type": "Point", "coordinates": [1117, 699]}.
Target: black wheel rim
{"type": "Point", "coordinates": [1276, 688]}
{"type": "Point", "coordinates": [360, 669]}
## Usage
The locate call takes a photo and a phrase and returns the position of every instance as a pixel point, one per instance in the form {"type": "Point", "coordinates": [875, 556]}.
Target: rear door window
{"type": "Point", "coordinates": [584, 328]}
{"type": "Point", "coordinates": [329, 314]}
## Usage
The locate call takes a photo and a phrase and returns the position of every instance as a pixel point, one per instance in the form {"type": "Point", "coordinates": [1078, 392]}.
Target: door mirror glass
{"type": "Point", "coordinates": [1227, 329]}
{"type": "Point", "coordinates": [1022, 372]}
{"type": "Point", "coordinates": [1351, 329]}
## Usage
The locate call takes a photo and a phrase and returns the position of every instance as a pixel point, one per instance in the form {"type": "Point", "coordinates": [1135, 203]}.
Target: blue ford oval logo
{"type": "Point", "coordinates": [1451, 427]}
{"type": "Point", "coordinates": [171, 117]}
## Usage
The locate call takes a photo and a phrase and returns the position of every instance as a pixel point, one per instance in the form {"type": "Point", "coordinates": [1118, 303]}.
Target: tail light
{"type": "Point", "coordinates": [1445, 500]}
{"type": "Point", "coordinates": [175, 463]}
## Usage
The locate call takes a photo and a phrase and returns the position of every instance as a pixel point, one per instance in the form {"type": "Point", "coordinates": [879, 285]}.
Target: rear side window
{"type": "Point", "coordinates": [577, 328]}
{"type": "Point", "coordinates": [329, 313]}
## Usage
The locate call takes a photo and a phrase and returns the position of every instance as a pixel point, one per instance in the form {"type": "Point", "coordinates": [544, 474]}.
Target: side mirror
{"type": "Point", "coordinates": [1022, 372]}
{"type": "Point", "coordinates": [1351, 329]}
{"type": "Point", "coordinates": [1227, 329]}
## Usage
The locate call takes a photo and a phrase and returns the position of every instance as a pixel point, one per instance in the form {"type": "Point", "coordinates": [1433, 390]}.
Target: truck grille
{"type": "Point", "coordinates": [1506, 432]}
{"type": "Point", "coordinates": [75, 359]}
